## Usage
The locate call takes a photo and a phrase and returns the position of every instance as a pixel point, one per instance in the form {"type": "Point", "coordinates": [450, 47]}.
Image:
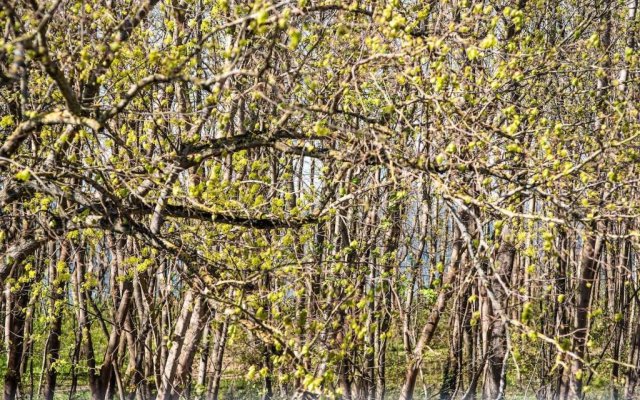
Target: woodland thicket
{"type": "Point", "coordinates": [300, 199]}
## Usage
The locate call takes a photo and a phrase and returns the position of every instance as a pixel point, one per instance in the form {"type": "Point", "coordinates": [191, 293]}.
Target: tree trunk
{"type": "Point", "coordinates": [218, 356]}
{"type": "Point", "coordinates": [56, 303]}
{"type": "Point", "coordinates": [415, 360]}
{"type": "Point", "coordinates": [495, 374]}
{"type": "Point", "coordinates": [191, 341]}
{"type": "Point", "coordinates": [177, 341]}
{"type": "Point", "coordinates": [588, 267]}
{"type": "Point", "coordinates": [16, 303]}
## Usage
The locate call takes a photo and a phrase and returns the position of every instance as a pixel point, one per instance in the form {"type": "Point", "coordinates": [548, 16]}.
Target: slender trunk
{"type": "Point", "coordinates": [192, 340]}
{"type": "Point", "coordinates": [415, 360]}
{"type": "Point", "coordinates": [562, 315]}
{"type": "Point", "coordinates": [204, 358]}
{"type": "Point", "coordinates": [495, 374]}
{"type": "Point", "coordinates": [451, 372]}
{"type": "Point", "coordinates": [588, 266]}
{"type": "Point", "coordinates": [177, 341]}
{"type": "Point", "coordinates": [218, 356]}
{"type": "Point", "coordinates": [631, 381]}
{"type": "Point", "coordinates": [618, 312]}
{"type": "Point", "coordinates": [56, 273]}
{"type": "Point", "coordinates": [16, 302]}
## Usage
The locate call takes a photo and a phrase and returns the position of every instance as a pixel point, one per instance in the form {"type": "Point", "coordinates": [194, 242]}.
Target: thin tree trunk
{"type": "Point", "coordinates": [177, 341]}
{"type": "Point", "coordinates": [218, 357]}
{"type": "Point", "coordinates": [16, 302]}
{"type": "Point", "coordinates": [588, 267]}
{"type": "Point", "coordinates": [56, 273]}
{"type": "Point", "coordinates": [415, 361]}
{"type": "Point", "coordinates": [191, 342]}
{"type": "Point", "coordinates": [495, 374]}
